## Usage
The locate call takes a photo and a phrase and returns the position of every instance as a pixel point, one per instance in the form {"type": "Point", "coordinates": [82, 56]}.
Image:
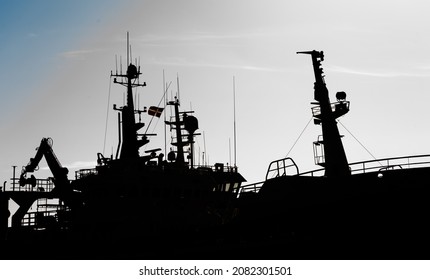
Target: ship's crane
{"type": "Point", "coordinates": [58, 171]}
{"type": "Point", "coordinates": [61, 190]}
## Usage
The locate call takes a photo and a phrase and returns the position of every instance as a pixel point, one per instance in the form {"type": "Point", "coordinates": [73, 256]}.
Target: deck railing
{"type": "Point", "coordinates": [42, 185]}
{"type": "Point", "coordinates": [218, 167]}
{"type": "Point", "coordinates": [254, 188]}
{"type": "Point", "coordinates": [280, 167]}
{"type": "Point", "coordinates": [377, 165]}
{"type": "Point", "coordinates": [383, 164]}
{"type": "Point", "coordinates": [30, 219]}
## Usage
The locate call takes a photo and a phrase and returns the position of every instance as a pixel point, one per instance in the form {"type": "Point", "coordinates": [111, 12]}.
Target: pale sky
{"type": "Point", "coordinates": [56, 58]}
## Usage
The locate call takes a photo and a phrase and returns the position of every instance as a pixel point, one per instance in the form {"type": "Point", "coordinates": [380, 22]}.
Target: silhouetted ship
{"type": "Point", "coordinates": [371, 209]}
{"type": "Point", "coordinates": [145, 206]}
{"type": "Point", "coordinates": [146, 202]}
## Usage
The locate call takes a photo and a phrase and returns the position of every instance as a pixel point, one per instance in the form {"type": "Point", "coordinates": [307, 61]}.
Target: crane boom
{"type": "Point", "coordinates": [58, 171]}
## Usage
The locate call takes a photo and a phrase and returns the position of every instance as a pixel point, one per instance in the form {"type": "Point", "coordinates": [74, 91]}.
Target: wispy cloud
{"type": "Point", "coordinates": [382, 74]}
{"type": "Point", "coordinates": [254, 68]}
{"type": "Point", "coordinates": [76, 165]}
{"type": "Point", "coordinates": [77, 54]}
{"type": "Point", "coordinates": [236, 66]}
{"type": "Point", "coordinates": [81, 164]}
{"type": "Point", "coordinates": [424, 67]}
{"type": "Point", "coordinates": [176, 61]}
{"type": "Point", "coordinates": [196, 38]}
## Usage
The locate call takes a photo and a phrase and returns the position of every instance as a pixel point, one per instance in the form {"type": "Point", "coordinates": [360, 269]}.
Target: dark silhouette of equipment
{"type": "Point", "coordinates": [58, 171]}
{"type": "Point", "coordinates": [133, 197]}
{"type": "Point", "coordinates": [143, 206]}
{"type": "Point", "coordinates": [61, 189]}
{"type": "Point", "coordinates": [370, 209]}
{"type": "Point", "coordinates": [334, 159]}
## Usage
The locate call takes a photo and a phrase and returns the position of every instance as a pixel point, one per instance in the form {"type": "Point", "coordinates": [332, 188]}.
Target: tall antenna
{"type": "Point", "coordinates": [127, 50]}
{"type": "Point", "coordinates": [199, 157]}
{"type": "Point", "coordinates": [229, 151]}
{"type": "Point", "coordinates": [204, 149]}
{"type": "Point", "coordinates": [131, 55]}
{"type": "Point", "coordinates": [234, 118]}
{"type": "Point", "coordinates": [116, 64]}
{"type": "Point", "coordinates": [165, 105]}
{"type": "Point", "coordinates": [177, 84]}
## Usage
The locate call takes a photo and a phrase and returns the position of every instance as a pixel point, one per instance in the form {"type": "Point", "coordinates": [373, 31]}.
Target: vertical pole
{"type": "Point", "coordinates": [229, 151]}
{"type": "Point", "coordinates": [13, 178]}
{"type": "Point", "coordinates": [234, 117]}
{"type": "Point", "coordinates": [177, 85]}
{"type": "Point", "coordinates": [204, 148]}
{"type": "Point", "coordinates": [165, 105]}
{"type": "Point", "coordinates": [127, 50]}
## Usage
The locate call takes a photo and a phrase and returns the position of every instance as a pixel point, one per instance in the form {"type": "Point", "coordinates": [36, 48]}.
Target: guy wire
{"type": "Point", "coordinates": [360, 143]}
{"type": "Point", "coordinates": [107, 114]}
{"type": "Point", "coordinates": [301, 133]}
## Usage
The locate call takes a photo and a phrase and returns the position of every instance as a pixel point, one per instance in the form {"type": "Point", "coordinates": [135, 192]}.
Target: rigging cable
{"type": "Point", "coordinates": [360, 143]}
{"type": "Point", "coordinates": [301, 133]}
{"type": "Point", "coordinates": [107, 114]}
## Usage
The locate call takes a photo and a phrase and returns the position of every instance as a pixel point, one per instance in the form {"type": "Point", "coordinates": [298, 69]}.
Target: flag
{"type": "Point", "coordinates": [155, 111]}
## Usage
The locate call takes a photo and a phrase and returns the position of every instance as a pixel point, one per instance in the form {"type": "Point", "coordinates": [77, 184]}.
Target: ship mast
{"type": "Point", "coordinates": [129, 127]}
{"type": "Point", "coordinates": [190, 125]}
{"type": "Point", "coordinates": [334, 159]}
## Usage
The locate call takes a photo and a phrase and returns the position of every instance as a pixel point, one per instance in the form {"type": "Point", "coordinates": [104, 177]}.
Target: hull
{"type": "Point", "coordinates": [365, 216]}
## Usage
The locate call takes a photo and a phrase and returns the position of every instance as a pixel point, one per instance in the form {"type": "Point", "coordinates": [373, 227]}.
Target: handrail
{"type": "Point", "coordinates": [361, 167]}
{"type": "Point", "coordinates": [42, 185]}
{"type": "Point", "coordinates": [281, 166]}
{"type": "Point", "coordinates": [218, 167]}
{"type": "Point", "coordinates": [255, 187]}
{"type": "Point", "coordinates": [316, 110]}
{"type": "Point", "coordinates": [30, 218]}
{"type": "Point", "coordinates": [381, 164]}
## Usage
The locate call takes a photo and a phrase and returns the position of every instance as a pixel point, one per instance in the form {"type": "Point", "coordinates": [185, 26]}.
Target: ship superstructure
{"type": "Point", "coordinates": [153, 204]}
{"type": "Point", "coordinates": [369, 209]}
{"type": "Point", "coordinates": [126, 197]}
